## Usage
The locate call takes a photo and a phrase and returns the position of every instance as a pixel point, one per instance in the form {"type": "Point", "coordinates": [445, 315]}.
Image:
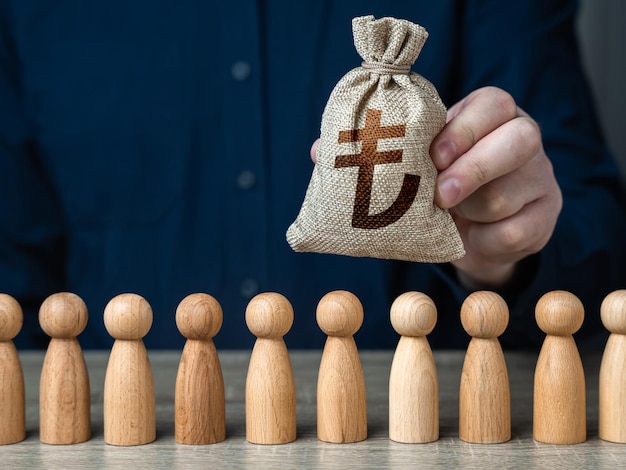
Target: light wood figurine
{"type": "Point", "coordinates": [129, 402]}
{"type": "Point", "coordinates": [12, 399]}
{"type": "Point", "coordinates": [199, 397]}
{"type": "Point", "coordinates": [64, 401]}
{"type": "Point", "coordinates": [413, 382]}
{"type": "Point", "coordinates": [270, 384]}
{"type": "Point", "coordinates": [485, 397]}
{"type": "Point", "coordinates": [612, 386]}
{"type": "Point", "coordinates": [341, 399]}
{"type": "Point", "coordinates": [559, 411]}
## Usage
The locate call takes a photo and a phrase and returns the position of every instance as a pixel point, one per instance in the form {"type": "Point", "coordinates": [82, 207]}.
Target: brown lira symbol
{"type": "Point", "coordinates": [366, 161]}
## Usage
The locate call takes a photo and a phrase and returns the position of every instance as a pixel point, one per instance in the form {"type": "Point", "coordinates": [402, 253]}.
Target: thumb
{"type": "Point", "coordinates": [314, 150]}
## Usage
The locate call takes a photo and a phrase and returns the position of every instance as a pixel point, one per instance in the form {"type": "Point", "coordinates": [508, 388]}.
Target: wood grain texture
{"type": "Point", "coordinates": [270, 384]}
{"type": "Point", "coordinates": [270, 394]}
{"type": "Point", "coordinates": [12, 393]}
{"type": "Point", "coordinates": [200, 408]}
{"type": "Point", "coordinates": [129, 400]}
{"type": "Point", "coordinates": [413, 393]}
{"type": "Point", "coordinates": [12, 402]}
{"type": "Point", "coordinates": [377, 451]}
{"type": "Point", "coordinates": [612, 391]}
{"type": "Point", "coordinates": [341, 397]}
{"type": "Point", "coordinates": [64, 404]}
{"type": "Point", "coordinates": [485, 397]}
{"type": "Point", "coordinates": [559, 411]}
{"type": "Point", "coordinates": [612, 384]}
{"type": "Point", "coordinates": [413, 382]}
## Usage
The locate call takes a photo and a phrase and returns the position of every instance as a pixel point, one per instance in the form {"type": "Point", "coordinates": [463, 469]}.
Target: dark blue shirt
{"type": "Point", "coordinates": [162, 148]}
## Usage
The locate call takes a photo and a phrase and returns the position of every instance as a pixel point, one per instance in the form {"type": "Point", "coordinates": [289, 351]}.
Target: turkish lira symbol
{"type": "Point", "coordinates": [366, 160]}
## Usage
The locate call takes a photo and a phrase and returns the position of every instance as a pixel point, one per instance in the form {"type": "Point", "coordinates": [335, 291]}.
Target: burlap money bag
{"type": "Point", "coordinates": [372, 188]}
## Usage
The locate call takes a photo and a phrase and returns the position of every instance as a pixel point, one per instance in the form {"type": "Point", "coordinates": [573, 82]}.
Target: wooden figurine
{"type": "Point", "coordinates": [199, 402]}
{"type": "Point", "coordinates": [64, 401]}
{"type": "Point", "coordinates": [485, 397]}
{"type": "Point", "coordinates": [341, 399]}
{"type": "Point", "coordinates": [559, 412]}
{"type": "Point", "coordinates": [12, 399]}
{"type": "Point", "coordinates": [413, 382]}
{"type": "Point", "coordinates": [129, 403]}
{"type": "Point", "coordinates": [612, 385]}
{"type": "Point", "coordinates": [270, 384]}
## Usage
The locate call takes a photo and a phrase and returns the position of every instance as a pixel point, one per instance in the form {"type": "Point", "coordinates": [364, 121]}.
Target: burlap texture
{"type": "Point", "coordinates": [372, 188]}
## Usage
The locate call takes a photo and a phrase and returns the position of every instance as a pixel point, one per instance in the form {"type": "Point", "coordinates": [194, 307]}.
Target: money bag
{"type": "Point", "coordinates": [372, 188]}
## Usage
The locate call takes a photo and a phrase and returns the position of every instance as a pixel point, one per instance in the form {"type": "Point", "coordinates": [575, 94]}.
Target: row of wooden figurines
{"type": "Point", "coordinates": [559, 411]}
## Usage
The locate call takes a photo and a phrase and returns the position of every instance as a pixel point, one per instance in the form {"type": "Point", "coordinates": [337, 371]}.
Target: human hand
{"type": "Point", "coordinates": [498, 184]}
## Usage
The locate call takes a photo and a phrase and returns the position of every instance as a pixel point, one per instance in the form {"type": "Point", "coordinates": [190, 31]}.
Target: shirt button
{"type": "Point", "coordinates": [246, 180]}
{"type": "Point", "coordinates": [240, 71]}
{"type": "Point", "coordinates": [249, 288]}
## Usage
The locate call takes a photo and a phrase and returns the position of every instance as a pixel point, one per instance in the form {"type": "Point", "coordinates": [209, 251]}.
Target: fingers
{"type": "Point", "coordinates": [480, 143]}
{"type": "Point", "coordinates": [470, 120]}
{"type": "Point", "coordinates": [498, 184]}
{"type": "Point", "coordinates": [508, 194]}
{"type": "Point", "coordinates": [501, 152]}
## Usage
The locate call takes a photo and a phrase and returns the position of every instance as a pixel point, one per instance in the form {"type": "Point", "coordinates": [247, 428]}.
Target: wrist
{"type": "Point", "coordinates": [494, 278]}
{"type": "Point", "coordinates": [518, 277]}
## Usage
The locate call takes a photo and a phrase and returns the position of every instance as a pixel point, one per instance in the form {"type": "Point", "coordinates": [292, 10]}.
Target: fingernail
{"type": "Point", "coordinates": [445, 153]}
{"type": "Point", "coordinates": [449, 191]}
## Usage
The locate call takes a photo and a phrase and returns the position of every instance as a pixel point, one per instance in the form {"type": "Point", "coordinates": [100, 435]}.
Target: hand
{"type": "Point", "coordinates": [498, 184]}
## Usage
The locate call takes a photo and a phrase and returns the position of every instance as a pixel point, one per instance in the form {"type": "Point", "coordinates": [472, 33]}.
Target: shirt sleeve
{"type": "Point", "coordinates": [31, 241]}
{"type": "Point", "coordinates": [529, 48]}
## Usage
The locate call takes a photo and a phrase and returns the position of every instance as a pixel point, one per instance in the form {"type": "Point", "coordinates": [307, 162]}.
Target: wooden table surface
{"type": "Point", "coordinates": [307, 452]}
